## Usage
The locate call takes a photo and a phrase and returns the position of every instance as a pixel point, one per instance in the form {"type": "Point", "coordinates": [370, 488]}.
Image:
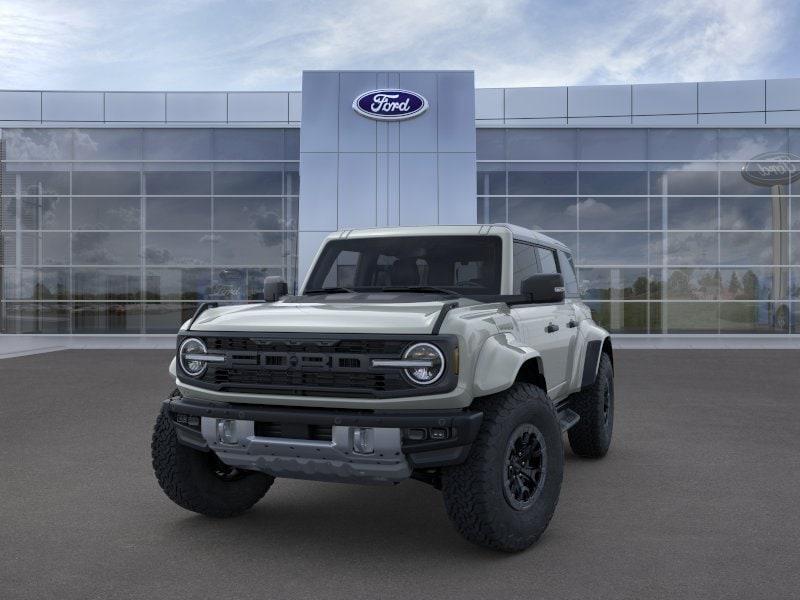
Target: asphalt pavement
{"type": "Point", "coordinates": [697, 498]}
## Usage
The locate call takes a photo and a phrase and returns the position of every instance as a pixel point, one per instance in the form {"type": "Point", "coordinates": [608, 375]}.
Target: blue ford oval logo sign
{"type": "Point", "coordinates": [772, 168]}
{"type": "Point", "coordinates": [390, 105]}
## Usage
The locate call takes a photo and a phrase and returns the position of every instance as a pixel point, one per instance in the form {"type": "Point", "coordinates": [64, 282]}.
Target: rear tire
{"type": "Point", "coordinates": [199, 481]}
{"type": "Point", "coordinates": [504, 495]}
{"type": "Point", "coordinates": [591, 436]}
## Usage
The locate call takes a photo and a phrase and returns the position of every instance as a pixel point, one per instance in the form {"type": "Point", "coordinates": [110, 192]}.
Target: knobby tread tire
{"type": "Point", "coordinates": [473, 491]}
{"type": "Point", "coordinates": [187, 478]}
{"type": "Point", "coordinates": [591, 437]}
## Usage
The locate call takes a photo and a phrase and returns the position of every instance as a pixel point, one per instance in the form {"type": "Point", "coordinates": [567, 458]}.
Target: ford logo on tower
{"type": "Point", "coordinates": [772, 168]}
{"type": "Point", "coordinates": [390, 105]}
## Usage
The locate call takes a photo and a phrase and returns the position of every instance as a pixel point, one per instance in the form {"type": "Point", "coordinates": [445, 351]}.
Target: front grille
{"type": "Point", "coordinates": [294, 431]}
{"type": "Point", "coordinates": [318, 366]}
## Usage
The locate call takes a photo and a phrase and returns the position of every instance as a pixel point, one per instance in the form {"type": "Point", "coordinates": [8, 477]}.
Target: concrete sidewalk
{"type": "Point", "coordinates": [696, 499]}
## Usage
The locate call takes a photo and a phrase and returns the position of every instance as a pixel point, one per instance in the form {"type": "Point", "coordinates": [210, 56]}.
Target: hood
{"type": "Point", "coordinates": [281, 317]}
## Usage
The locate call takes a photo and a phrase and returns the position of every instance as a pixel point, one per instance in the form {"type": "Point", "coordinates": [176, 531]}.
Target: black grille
{"type": "Point", "coordinates": [294, 431]}
{"type": "Point", "coordinates": [318, 366]}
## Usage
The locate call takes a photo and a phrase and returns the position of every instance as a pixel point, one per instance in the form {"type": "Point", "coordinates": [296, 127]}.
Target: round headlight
{"type": "Point", "coordinates": [425, 353]}
{"type": "Point", "coordinates": [195, 368]}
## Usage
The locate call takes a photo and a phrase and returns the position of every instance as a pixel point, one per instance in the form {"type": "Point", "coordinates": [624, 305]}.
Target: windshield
{"type": "Point", "coordinates": [468, 265]}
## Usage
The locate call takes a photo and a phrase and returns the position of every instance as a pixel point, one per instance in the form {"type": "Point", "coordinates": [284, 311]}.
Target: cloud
{"type": "Point", "coordinates": [209, 44]}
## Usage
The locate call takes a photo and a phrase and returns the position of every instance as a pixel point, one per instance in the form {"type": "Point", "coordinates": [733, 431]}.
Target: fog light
{"type": "Point", "coordinates": [363, 440]}
{"type": "Point", "coordinates": [438, 434]}
{"type": "Point", "coordinates": [417, 434]}
{"type": "Point", "coordinates": [227, 432]}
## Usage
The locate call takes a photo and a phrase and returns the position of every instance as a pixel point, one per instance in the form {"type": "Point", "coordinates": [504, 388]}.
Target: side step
{"type": "Point", "coordinates": [567, 418]}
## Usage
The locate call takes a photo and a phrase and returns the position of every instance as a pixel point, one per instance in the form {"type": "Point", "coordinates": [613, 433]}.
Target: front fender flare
{"type": "Point", "coordinates": [499, 361]}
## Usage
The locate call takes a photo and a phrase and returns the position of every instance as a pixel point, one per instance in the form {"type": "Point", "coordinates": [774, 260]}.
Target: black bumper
{"type": "Point", "coordinates": [462, 426]}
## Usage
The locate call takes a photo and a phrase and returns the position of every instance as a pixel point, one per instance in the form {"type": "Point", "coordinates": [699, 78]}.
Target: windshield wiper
{"type": "Point", "coordinates": [420, 289]}
{"type": "Point", "coordinates": [329, 290]}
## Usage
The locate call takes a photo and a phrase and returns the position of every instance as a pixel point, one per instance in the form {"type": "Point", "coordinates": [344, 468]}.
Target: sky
{"type": "Point", "coordinates": [264, 45]}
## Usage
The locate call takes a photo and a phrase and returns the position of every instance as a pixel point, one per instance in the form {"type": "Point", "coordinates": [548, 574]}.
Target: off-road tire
{"type": "Point", "coordinates": [591, 436]}
{"type": "Point", "coordinates": [473, 491]}
{"type": "Point", "coordinates": [188, 477]}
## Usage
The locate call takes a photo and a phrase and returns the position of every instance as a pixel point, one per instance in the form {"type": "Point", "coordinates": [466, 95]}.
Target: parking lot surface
{"type": "Point", "coordinates": [697, 498]}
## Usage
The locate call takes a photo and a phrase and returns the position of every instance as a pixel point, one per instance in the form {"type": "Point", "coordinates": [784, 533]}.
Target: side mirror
{"type": "Point", "coordinates": [544, 288]}
{"type": "Point", "coordinates": [275, 288]}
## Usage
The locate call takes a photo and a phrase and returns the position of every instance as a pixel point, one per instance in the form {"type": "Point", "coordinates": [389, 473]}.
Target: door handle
{"type": "Point", "coordinates": [572, 323]}
{"type": "Point", "coordinates": [551, 328]}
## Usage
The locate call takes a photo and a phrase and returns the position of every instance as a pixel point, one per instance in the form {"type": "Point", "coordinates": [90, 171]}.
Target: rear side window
{"type": "Point", "coordinates": [568, 272]}
{"type": "Point", "coordinates": [547, 259]}
{"type": "Point", "coordinates": [525, 264]}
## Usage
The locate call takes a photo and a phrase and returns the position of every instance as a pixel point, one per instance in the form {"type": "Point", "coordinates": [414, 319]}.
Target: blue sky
{"type": "Point", "coordinates": [264, 45]}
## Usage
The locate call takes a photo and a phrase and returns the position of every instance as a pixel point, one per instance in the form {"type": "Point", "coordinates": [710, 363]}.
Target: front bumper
{"type": "Point", "coordinates": [295, 451]}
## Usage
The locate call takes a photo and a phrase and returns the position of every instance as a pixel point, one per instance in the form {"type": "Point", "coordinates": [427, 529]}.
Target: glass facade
{"type": "Point", "coordinates": [669, 235]}
{"type": "Point", "coordinates": [125, 230]}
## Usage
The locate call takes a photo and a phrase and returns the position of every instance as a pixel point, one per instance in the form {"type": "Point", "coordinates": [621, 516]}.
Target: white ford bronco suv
{"type": "Point", "coordinates": [454, 355]}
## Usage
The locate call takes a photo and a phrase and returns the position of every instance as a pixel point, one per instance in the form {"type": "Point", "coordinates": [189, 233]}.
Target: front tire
{"type": "Point", "coordinates": [199, 481]}
{"type": "Point", "coordinates": [504, 495]}
{"type": "Point", "coordinates": [590, 437]}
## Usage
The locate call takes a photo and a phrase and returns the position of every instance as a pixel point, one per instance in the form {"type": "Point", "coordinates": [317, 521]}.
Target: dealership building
{"type": "Point", "coordinates": [121, 211]}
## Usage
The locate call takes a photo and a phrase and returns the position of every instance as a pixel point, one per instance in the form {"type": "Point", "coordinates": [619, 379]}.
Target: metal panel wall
{"type": "Point", "coordinates": [357, 172]}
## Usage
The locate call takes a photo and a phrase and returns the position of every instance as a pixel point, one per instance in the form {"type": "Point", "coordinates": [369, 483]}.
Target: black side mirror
{"type": "Point", "coordinates": [275, 288]}
{"type": "Point", "coordinates": [544, 288]}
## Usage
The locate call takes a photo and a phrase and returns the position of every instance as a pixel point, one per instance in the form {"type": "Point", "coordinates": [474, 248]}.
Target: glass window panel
{"type": "Point", "coordinates": [177, 144]}
{"type": "Point", "coordinates": [490, 144]}
{"type": "Point", "coordinates": [795, 255]}
{"type": "Point", "coordinates": [47, 183]}
{"type": "Point", "coordinates": [292, 144]}
{"type": "Point", "coordinates": [36, 284]}
{"type": "Point", "coordinates": [525, 264]}
{"type": "Point", "coordinates": [620, 317]}
{"type": "Point", "coordinates": [177, 284]}
{"type": "Point", "coordinates": [249, 213]}
{"type": "Point", "coordinates": [610, 183]}
{"type": "Point", "coordinates": [229, 285]}
{"type": "Point", "coordinates": [248, 144]}
{"type": "Point", "coordinates": [291, 178]}
{"type": "Point", "coordinates": [8, 214]}
{"type": "Point", "coordinates": [540, 183]}
{"type": "Point", "coordinates": [45, 212]}
{"type": "Point", "coordinates": [612, 213]}
{"type": "Point", "coordinates": [492, 210]}
{"type": "Point", "coordinates": [693, 284]}
{"type": "Point", "coordinates": [751, 248]}
{"type": "Point", "coordinates": [692, 213]}
{"type": "Point", "coordinates": [547, 260]}
{"type": "Point", "coordinates": [682, 144]}
{"type": "Point", "coordinates": [248, 183]}
{"type": "Point", "coordinates": [538, 144]}
{"type": "Point", "coordinates": [38, 144]}
{"type": "Point", "coordinates": [291, 212]}
{"type": "Point", "coordinates": [692, 248]}
{"type": "Point", "coordinates": [177, 183]}
{"type": "Point", "coordinates": [8, 250]}
{"type": "Point", "coordinates": [491, 180]}
{"type": "Point", "coordinates": [250, 248]}
{"type": "Point", "coordinates": [569, 239]}
{"type": "Point", "coordinates": [106, 213]}
{"type": "Point", "coordinates": [745, 144]}
{"type": "Point", "coordinates": [106, 284]}
{"type": "Point", "coordinates": [612, 144]}
{"type": "Point", "coordinates": [795, 211]}
{"type": "Point", "coordinates": [657, 205]}
{"type": "Point", "coordinates": [255, 282]}
{"type": "Point", "coordinates": [30, 317]}
{"type": "Point", "coordinates": [104, 248]}
{"type": "Point", "coordinates": [683, 183]}
{"type": "Point", "coordinates": [567, 268]}
{"type": "Point", "coordinates": [690, 317]}
{"type": "Point", "coordinates": [614, 284]}
{"type": "Point", "coordinates": [732, 182]}
{"type": "Point", "coordinates": [178, 248]}
{"type": "Point", "coordinates": [108, 144]}
{"type": "Point", "coordinates": [162, 317]}
{"type": "Point", "coordinates": [97, 183]}
{"type": "Point", "coordinates": [753, 317]}
{"type": "Point", "coordinates": [178, 213]}
{"type": "Point", "coordinates": [612, 248]}
{"type": "Point", "coordinates": [753, 213]}
{"type": "Point", "coordinates": [754, 283]}
{"type": "Point", "coordinates": [100, 317]}
{"type": "Point", "coordinates": [794, 284]}
{"type": "Point", "coordinates": [40, 249]}
{"type": "Point", "coordinates": [543, 213]}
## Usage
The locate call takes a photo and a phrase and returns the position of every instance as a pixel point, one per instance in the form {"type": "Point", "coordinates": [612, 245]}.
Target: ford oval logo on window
{"type": "Point", "coordinates": [390, 105]}
{"type": "Point", "coordinates": [772, 168]}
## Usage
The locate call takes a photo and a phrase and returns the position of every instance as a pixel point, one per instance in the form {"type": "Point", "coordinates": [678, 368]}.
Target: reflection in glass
{"type": "Point", "coordinates": [47, 317]}
{"type": "Point", "coordinates": [679, 182]}
{"type": "Point", "coordinates": [752, 213]}
{"type": "Point", "coordinates": [693, 284]}
{"type": "Point", "coordinates": [612, 144]}
{"type": "Point", "coordinates": [112, 183]}
{"type": "Point", "coordinates": [251, 183]}
{"type": "Point", "coordinates": [248, 213]}
{"type": "Point", "coordinates": [613, 248]}
{"type": "Point", "coordinates": [754, 283]}
{"type": "Point", "coordinates": [491, 180]}
{"type": "Point", "coordinates": [48, 248]}
{"type": "Point", "coordinates": [106, 213]}
{"type": "Point", "coordinates": [38, 144]}
{"type": "Point", "coordinates": [165, 317]}
{"type": "Point", "coordinates": [690, 317]}
{"type": "Point", "coordinates": [178, 248]}
{"type": "Point", "coordinates": [44, 212]}
{"type": "Point", "coordinates": [177, 183]}
{"type": "Point", "coordinates": [108, 144]}
{"type": "Point", "coordinates": [754, 317]}
{"type": "Point", "coordinates": [178, 213]}
{"type": "Point", "coordinates": [531, 144]}
{"type": "Point", "coordinates": [249, 144]}
{"type": "Point", "coordinates": [543, 213]}
{"type": "Point", "coordinates": [620, 317]}
{"type": "Point", "coordinates": [749, 248]}
{"type": "Point", "coordinates": [614, 284]}
{"type": "Point", "coordinates": [177, 144]}
{"type": "Point", "coordinates": [38, 183]}
{"type": "Point", "coordinates": [692, 213]}
{"type": "Point", "coordinates": [611, 183]}
{"type": "Point", "coordinates": [104, 248]}
{"type": "Point", "coordinates": [99, 317]}
{"type": "Point", "coordinates": [492, 210]}
{"type": "Point", "coordinates": [262, 248]}
{"type": "Point", "coordinates": [177, 284]}
{"type": "Point", "coordinates": [36, 284]}
{"type": "Point", "coordinates": [106, 284]}
{"type": "Point", "coordinates": [682, 144]}
{"type": "Point", "coordinates": [612, 213]}
{"type": "Point", "coordinates": [540, 183]}
{"type": "Point", "coordinates": [692, 248]}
